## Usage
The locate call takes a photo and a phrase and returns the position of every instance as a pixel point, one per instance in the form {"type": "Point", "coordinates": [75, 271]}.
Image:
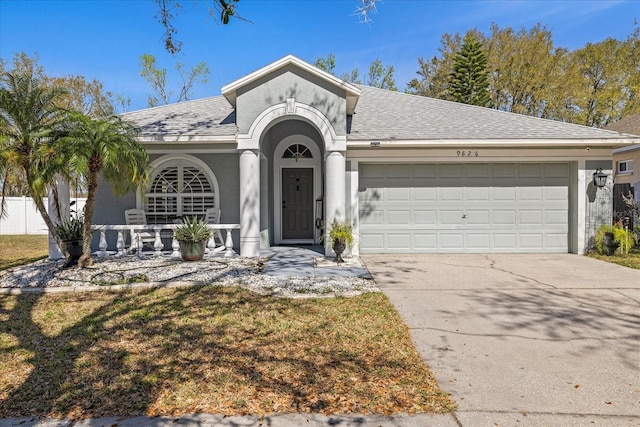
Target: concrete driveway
{"type": "Point", "coordinates": [537, 340]}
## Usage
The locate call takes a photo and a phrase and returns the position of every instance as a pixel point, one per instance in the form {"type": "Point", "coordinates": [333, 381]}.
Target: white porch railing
{"type": "Point", "coordinates": [136, 242]}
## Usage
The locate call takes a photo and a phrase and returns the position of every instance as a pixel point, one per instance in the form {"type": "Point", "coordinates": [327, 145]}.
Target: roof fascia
{"type": "Point", "coordinates": [396, 143]}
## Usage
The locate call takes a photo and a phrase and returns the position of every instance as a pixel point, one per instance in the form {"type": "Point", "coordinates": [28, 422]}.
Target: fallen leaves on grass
{"type": "Point", "coordinates": [208, 349]}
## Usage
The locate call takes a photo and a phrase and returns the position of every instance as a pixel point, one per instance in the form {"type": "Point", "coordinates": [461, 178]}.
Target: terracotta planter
{"type": "Point", "coordinates": [192, 251]}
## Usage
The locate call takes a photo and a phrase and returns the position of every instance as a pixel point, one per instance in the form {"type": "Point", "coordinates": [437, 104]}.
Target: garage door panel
{"type": "Point", "coordinates": [556, 217]}
{"type": "Point", "coordinates": [503, 194]}
{"type": "Point", "coordinates": [503, 170]}
{"type": "Point", "coordinates": [479, 241]}
{"type": "Point", "coordinates": [530, 217]}
{"type": "Point", "coordinates": [372, 241]}
{"type": "Point", "coordinates": [531, 240]}
{"type": "Point", "coordinates": [530, 193]}
{"type": "Point", "coordinates": [397, 240]}
{"type": "Point", "coordinates": [556, 193]}
{"type": "Point", "coordinates": [504, 217]}
{"type": "Point", "coordinates": [452, 170]}
{"type": "Point", "coordinates": [425, 171]}
{"type": "Point", "coordinates": [464, 208]}
{"type": "Point", "coordinates": [425, 241]}
{"type": "Point", "coordinates": [504, 241]}
{"type": "Point", "coordinates": [482, 194]}
{"type": "Point", "coordinates": [375, 218]}
{"type": "Point", "coordinates": [451, 193]}
{"type": "Point", "coordinates": [478, 217]}
{"type": "Point", "coordinates": [450, 217]}
{"type": "Point", "coordinates": [425, 217]}
{"type": "Point", "coordinates": [450, 241]}
{"type": "Point", "coordinates": [422, 194]}
{"type": "Point", "coordinates": [556, 170]}
{"type": "Point", "coordinates": [397, 195]}
{"type": "Point", "coordinates": [478, 171]}
{"type": "Point", "coordinates": [399, 217]}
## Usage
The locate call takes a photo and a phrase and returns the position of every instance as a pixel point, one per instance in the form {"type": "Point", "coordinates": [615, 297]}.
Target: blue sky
{"type": "Point", "coordinates": [104, 39]}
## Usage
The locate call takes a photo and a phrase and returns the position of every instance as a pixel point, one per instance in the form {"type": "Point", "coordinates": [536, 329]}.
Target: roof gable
{"type": "Point", "coordinates": [230, 90]}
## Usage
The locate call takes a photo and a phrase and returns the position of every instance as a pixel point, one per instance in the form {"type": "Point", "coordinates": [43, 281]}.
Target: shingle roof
{"type": "Point", "coordinates": [382, 114]}
{"type": "Point", "coordinates": [629, 124]}
{"type": "Point", "coordinates": [379, 115]}
{"type": "Point", "coordinates": [197, 119]}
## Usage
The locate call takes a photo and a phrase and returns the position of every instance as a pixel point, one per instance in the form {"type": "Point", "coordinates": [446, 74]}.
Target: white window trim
{"type": "Point", "coordinates": [629, 167]}
{"type": "Point", "coordinates": [158, 164]}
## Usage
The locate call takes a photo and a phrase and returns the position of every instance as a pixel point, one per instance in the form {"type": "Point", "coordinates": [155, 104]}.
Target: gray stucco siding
{"type": "Point", "coordinates": [290, 82]}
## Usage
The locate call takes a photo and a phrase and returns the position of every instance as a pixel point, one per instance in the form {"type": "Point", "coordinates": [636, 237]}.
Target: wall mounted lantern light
{"type": "Point", "coordinates": [600, 178]}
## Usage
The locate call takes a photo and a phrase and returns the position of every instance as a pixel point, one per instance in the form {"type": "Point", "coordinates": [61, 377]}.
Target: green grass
{"type": "Point", "coordinates": [631, 260]}
{"type": "Point", "coordinates": [207, 349]}
{"type": "Point", "coordinates": [22, 249]}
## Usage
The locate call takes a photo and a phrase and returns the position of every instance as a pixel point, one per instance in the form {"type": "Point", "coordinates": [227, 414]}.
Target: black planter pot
{"type": "Point", "coordinates": [610, 243]}
{"type": "Point", "coordinates": [74, 247]}
{"type": "Point", "coordinates": [339, 247]}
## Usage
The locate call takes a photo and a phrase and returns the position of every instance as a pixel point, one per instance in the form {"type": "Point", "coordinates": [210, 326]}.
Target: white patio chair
{"type": "Point", "coordinates": [139, 217]}
{"type": "Point", "coordinates": [212, 216]}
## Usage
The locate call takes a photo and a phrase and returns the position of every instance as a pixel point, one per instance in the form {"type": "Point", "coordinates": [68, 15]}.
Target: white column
{"type": "Point", "coordinates": [353, 204]}
{"type": "Point", "coordinates": [582, 207]}
{"type": "Point", "coordinates": [65, 212]}
{"type": "Point", "coordinates": [334, 192]}
{"type": "Point", "coordinates": [250, 203]}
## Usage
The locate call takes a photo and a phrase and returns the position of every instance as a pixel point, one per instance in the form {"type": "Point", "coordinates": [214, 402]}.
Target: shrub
{"type": "Point", "coordinates": [72, 229]}
{"type": "Point", "coordinates": [626, 239]}
{"type": "Point", "coordinates": [193, 230]}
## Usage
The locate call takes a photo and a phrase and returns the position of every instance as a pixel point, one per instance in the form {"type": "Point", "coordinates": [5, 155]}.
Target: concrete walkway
{"type": "Point", "coordinates": [310, 261]}
{"type": "Point", "coordinates": [527, 340]}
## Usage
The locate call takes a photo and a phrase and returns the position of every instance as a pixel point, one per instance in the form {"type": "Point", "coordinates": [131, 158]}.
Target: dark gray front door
{"type": "Point", "coordinates": [297, 203]}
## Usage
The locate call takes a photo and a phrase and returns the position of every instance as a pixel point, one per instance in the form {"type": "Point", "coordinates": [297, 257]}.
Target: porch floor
{"type": "Point", "coordinates": [309, 260]}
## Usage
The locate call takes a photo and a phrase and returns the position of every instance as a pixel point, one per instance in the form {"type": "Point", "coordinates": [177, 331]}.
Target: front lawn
{"type": "Point", "coordinates": [22, 249]}
{"type": "Point", "coordinates": [631, 260]}
{"type": "Point", "coordinates": [207, 349]}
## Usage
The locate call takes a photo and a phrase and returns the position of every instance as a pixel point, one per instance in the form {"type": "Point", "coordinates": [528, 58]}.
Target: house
{"type": "Point", "coordinates": [625, 179]}
{"type": "Point", "coordinates": [290, 147]}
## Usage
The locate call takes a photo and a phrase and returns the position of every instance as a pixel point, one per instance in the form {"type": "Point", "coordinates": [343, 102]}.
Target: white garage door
{"type": "Point", "coordinates": [439, 208]}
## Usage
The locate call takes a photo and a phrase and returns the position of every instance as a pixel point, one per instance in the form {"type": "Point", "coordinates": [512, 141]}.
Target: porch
{"type": "Point", "coordinates": [160, 231]}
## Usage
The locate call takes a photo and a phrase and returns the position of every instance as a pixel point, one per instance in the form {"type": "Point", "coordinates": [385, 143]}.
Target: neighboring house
{"type": "Point", "coordinates": [626, 177]}
{"type": "Point", "coordinates": [290, 147]}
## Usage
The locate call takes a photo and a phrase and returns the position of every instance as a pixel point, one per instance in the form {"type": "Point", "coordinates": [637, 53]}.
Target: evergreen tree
{"type": "Point", "coordinates": [468, 82]}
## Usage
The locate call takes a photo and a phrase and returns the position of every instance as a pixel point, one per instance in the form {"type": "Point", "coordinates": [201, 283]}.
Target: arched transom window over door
{"type": "Point", "coordinates": [179, 187]}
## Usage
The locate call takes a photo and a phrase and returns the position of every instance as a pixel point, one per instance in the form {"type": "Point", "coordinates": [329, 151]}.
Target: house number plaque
{"type": "Point", "coordinates": [466, 153]}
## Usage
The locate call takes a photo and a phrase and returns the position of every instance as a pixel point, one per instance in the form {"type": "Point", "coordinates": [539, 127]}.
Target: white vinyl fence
{"type": "Point", "coordinates": [23, 217]}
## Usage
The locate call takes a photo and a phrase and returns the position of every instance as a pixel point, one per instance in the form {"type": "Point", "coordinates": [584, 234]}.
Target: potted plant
{"type": "Point", "coordinates": [341, 235]}
{"type": "Point", "coordinates": [71, 233]}
{"type": "Point", "coordinates": [192, 235]}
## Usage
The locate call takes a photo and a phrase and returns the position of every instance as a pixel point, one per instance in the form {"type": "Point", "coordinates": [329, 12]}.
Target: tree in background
{"type": "Point", "coordinates": [31, 123]}
{"type": "Point", "coordinates": [468, 81]}
{"type": "Point", "coordinates": [594, 85]}
{"type": "Point", "coordinates": [433, 74]}
{"type": "Point", "coordinates": [157, 78]}
{"type": "Point", "coordinates": [608, 80]}
{"type": "Point", "coordinates": [379, 75]}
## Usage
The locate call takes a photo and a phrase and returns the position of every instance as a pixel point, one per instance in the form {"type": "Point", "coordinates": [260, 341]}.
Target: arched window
{"type": "Point", "coordinates": [179, 187]}
{"type": "Point", "coordinates": [297, 151]}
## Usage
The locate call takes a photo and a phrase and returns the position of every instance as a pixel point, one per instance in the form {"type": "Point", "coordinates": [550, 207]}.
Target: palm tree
{"type": "Point", "coordinates": [30, 124]}
{"type": "Point", "coordinates": [107, 147]}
